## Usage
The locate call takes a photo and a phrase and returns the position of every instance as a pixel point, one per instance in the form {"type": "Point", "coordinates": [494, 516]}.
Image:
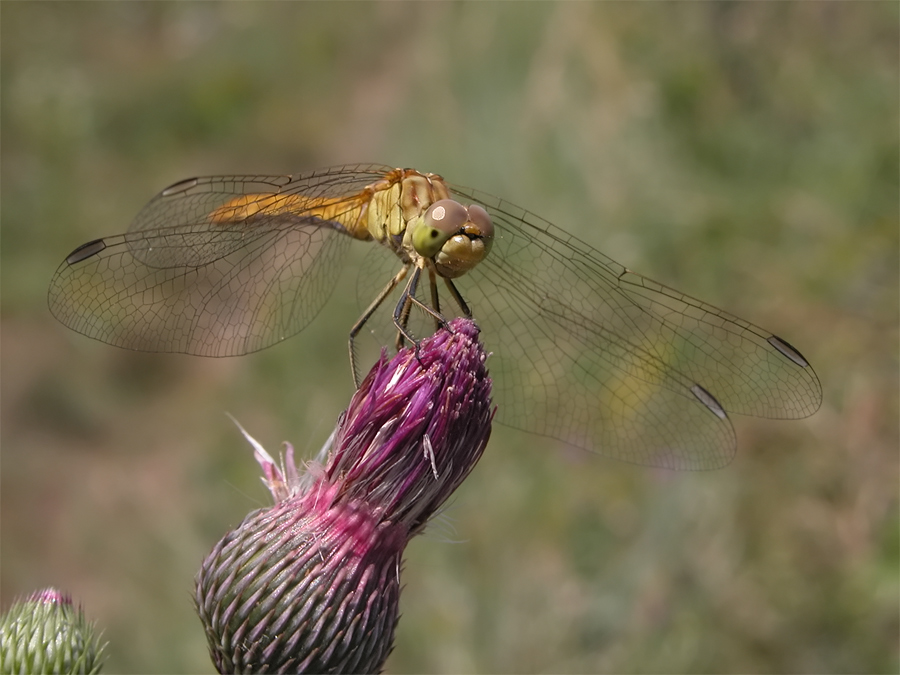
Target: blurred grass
{"type": "Point", "coordinates": [746, 153]}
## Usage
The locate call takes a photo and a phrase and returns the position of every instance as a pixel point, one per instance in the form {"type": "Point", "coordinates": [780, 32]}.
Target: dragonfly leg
{"type": "Point", "coordinates": [370, 310]}
{"type": "Point", "coordinates": [406, 304]}
{"type": "Point", "coordinates": [404, 307]}
{"type": "Point", "coordinates": [464, 308]}
{"type": "Point", "coordinates": [435, 300]}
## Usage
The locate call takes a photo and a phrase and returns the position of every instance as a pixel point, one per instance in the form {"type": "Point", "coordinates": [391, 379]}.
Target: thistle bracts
{"type": "Point", "coordinates": [294, 585]}
{"type": "Point", "coordinates": [312, 583]}
{"type": "Point", "coordinates": [46, 633]}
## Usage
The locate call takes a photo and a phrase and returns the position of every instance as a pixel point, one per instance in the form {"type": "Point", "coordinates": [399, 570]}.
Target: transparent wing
{"type": "Point", "coordinates": [182, 281]}
{"type": "Point", "coordinates": [595, 355]}
{"type": "Point", "coordinates": [584, 350]}
{"type": "Point", "coordinates": [192, 200]}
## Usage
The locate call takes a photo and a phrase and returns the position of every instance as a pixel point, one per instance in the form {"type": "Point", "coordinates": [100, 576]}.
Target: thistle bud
{"type": "Point", "coordinates": [46, 633]}
{"type": "Point", "coordinates": [312, 584]}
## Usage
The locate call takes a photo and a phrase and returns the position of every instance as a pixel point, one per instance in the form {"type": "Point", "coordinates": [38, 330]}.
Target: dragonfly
{"type": "Point", "coordinates": [583, 350]}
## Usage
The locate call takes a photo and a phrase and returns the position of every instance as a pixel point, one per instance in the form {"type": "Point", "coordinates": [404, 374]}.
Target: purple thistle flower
{"type": "Point", "coordinates": [312, 583]}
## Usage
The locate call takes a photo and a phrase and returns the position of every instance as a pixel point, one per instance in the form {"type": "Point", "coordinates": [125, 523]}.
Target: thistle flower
{"type": "Point", "coordinates": [46, 633]}
{"type": "Point", "coordinates": [312, 583]}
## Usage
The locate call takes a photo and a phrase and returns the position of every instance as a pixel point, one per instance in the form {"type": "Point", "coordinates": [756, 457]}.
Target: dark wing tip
{"type": "Point", "coordinates": [85, 251]}
{"type": "Point", "coordinates": [788, 350]}
{"type": "Point", "coordinates": [179, 187]}
{"type": "Point", "coordinates": [709, 401]}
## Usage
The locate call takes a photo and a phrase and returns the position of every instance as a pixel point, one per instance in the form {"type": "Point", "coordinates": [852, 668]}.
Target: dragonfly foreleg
{"type": "Point", "coordinates": [404, 307]}
{"type": "Point", "coordinates": [370, 310]}
{"type": "Point", "coordinates": [435, 300]}
{"type": "Point", "coordinates": [401, 319]}
{"type": "Point", "coordinates": [464, 308]}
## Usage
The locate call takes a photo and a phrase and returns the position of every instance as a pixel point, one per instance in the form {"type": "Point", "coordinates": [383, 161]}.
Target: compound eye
{"type": "Point", "coordinates": [446, 215]}
{"type": "Point", "coordinates": [480, 218]}
{"type": "Point", "coordinates": [441, 221]}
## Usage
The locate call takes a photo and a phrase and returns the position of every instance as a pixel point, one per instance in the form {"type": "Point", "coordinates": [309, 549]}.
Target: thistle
{"type": "Point", "coordinates": [46, 633]}
{"type": "Point", "coordinates": [312, 584]}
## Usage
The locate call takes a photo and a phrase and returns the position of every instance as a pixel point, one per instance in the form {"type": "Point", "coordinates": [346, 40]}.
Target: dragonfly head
{"type": "Point", "coordinates": [456, 237]}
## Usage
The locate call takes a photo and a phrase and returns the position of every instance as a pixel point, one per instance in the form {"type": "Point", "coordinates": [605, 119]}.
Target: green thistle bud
{"type": "Point", "coordinates": [312, 584]}
{"type": "Point", "coordinates": [45, 633]}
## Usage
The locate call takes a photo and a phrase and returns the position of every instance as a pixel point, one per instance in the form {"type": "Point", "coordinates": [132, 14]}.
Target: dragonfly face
{"type": "Point", "coordinates": [456, 238]}
{"type": "Point", "coordinates": [584, 350]}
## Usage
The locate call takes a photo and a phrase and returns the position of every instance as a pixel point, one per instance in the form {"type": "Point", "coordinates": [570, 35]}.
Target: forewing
{"type": "Point", "coordinates": [191, 201]}
{"type": "Point", "coordinates": [180, 282]}
{"type": "Point", "coordinates": [601, 358]}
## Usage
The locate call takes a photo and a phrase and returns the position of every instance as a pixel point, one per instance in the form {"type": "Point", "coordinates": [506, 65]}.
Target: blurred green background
{"type": "Point", "coordinates": [746, 153]}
